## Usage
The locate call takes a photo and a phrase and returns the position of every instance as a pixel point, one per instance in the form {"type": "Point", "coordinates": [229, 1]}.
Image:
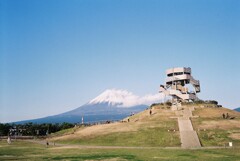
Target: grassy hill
{"type": "Point", "coordinates": [141, 130]}
{"type": "Point", "coordinates": [159, 129]}
{"type": "Point", "coordinates": [213, 130]}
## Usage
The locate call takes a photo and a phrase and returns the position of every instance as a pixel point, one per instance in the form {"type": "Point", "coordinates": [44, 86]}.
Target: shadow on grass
{"type": "Point", "coordinates": [188, 156]}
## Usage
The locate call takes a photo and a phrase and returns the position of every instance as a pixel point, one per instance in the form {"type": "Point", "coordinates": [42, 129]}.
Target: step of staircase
{"type": "Point", "coordinates": [189, 139]}
{"type": "Point", "coordinates": [188, 136]}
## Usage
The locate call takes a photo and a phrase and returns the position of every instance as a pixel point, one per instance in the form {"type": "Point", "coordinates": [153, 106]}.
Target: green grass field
{"type": "Point", "coordinates": [213, 130]}
{"type": "Point", "coordinates": [157, 130]}
{"type": "Point", "coordinates": [22, 150]}
{"type": "Point", "coordinates": [143, 138]}
{"type": "Point", "coordinates": [157, 137]}
{"type": "Point", "coordinates": [142, 130]}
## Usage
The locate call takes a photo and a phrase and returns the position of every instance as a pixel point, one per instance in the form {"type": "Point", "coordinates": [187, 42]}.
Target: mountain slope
{"type": "Point", "coordinates": [237, 109]}
{"type": "Point", "coordinates": [110, 105]}
{"type": "Point", "coordinates": [90, 113]}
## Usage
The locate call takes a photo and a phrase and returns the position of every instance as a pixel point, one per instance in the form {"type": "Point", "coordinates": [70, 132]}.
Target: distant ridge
{"type": "Point", "coordinates": [237, 109]}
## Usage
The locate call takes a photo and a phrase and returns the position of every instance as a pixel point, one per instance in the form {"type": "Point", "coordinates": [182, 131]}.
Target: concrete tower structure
{"type": "Point", "coordinates": [175, 85]}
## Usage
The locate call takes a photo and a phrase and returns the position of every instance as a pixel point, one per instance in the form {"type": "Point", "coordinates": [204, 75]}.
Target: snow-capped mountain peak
{"type": "Point", "coordinates": [123, 98]}
{"type": "Point", "coordinates": [114, 97]}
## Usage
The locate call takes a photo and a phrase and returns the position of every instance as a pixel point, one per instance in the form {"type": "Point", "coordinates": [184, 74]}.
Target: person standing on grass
{"type": "Point", "coordinates": [9, 140]}
{"type": "Point", "coordinates": [47, 143]}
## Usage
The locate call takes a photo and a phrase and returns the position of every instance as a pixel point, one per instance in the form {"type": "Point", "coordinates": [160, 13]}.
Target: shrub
{"type": "Point", "coordinates": [212, 102]}
{"type": "Point", "coordinates": [199, 102]}
{"type": "Point", "coordinates": [168, 103]}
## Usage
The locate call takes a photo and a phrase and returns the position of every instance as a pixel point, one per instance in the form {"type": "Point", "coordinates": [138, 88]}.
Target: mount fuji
{"type": "Point", "coordinates": [112, 104]}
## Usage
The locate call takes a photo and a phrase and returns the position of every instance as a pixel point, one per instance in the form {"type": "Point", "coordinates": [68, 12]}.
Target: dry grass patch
{"type": "Point", "coordinates": [215, 112]}
{"type": "Point", "coordinates": [136, 132]}
{"type": "Point", "coordinates": [157, 115]}
{"type": "Point", "coordinates": [96, 130]}
{"type": "Point", "coordinates": [235, 134]}
{"type": "Point", "coordinates": [219, 124]}
{"type": "Point", "coordinates": [213, 130]}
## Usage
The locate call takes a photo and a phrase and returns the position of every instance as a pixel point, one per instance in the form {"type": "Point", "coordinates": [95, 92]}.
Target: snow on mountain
{"type": "Point", "coordinates": [122, 104]}
{"type": "Point", "coordinates": [123, 98]}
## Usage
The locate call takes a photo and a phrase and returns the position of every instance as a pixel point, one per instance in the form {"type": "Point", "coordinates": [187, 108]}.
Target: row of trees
{"type": "Point", "coordinates": [31, 129]}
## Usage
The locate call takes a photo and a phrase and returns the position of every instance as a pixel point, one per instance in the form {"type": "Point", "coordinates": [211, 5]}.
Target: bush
{"type": "Point", "coordinates": [154, 104]}
{"type": "Point", "coordinates": [168, 103]}
{"type": "Point", "coordinates": [212, 102]}
{"type": "Point", "coordinates": [199, 102]}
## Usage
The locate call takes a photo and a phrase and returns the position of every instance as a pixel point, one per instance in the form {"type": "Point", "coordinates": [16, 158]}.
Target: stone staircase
{"type": "Point", "coordinates": [188, 136]}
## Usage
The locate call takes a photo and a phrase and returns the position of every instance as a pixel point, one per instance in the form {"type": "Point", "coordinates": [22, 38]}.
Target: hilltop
{"type": "Point", "coordinates": [159, 129]}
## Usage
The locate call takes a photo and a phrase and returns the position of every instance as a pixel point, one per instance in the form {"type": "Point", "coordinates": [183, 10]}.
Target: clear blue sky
{"type": "Point", "coordinates": [56, 55]}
